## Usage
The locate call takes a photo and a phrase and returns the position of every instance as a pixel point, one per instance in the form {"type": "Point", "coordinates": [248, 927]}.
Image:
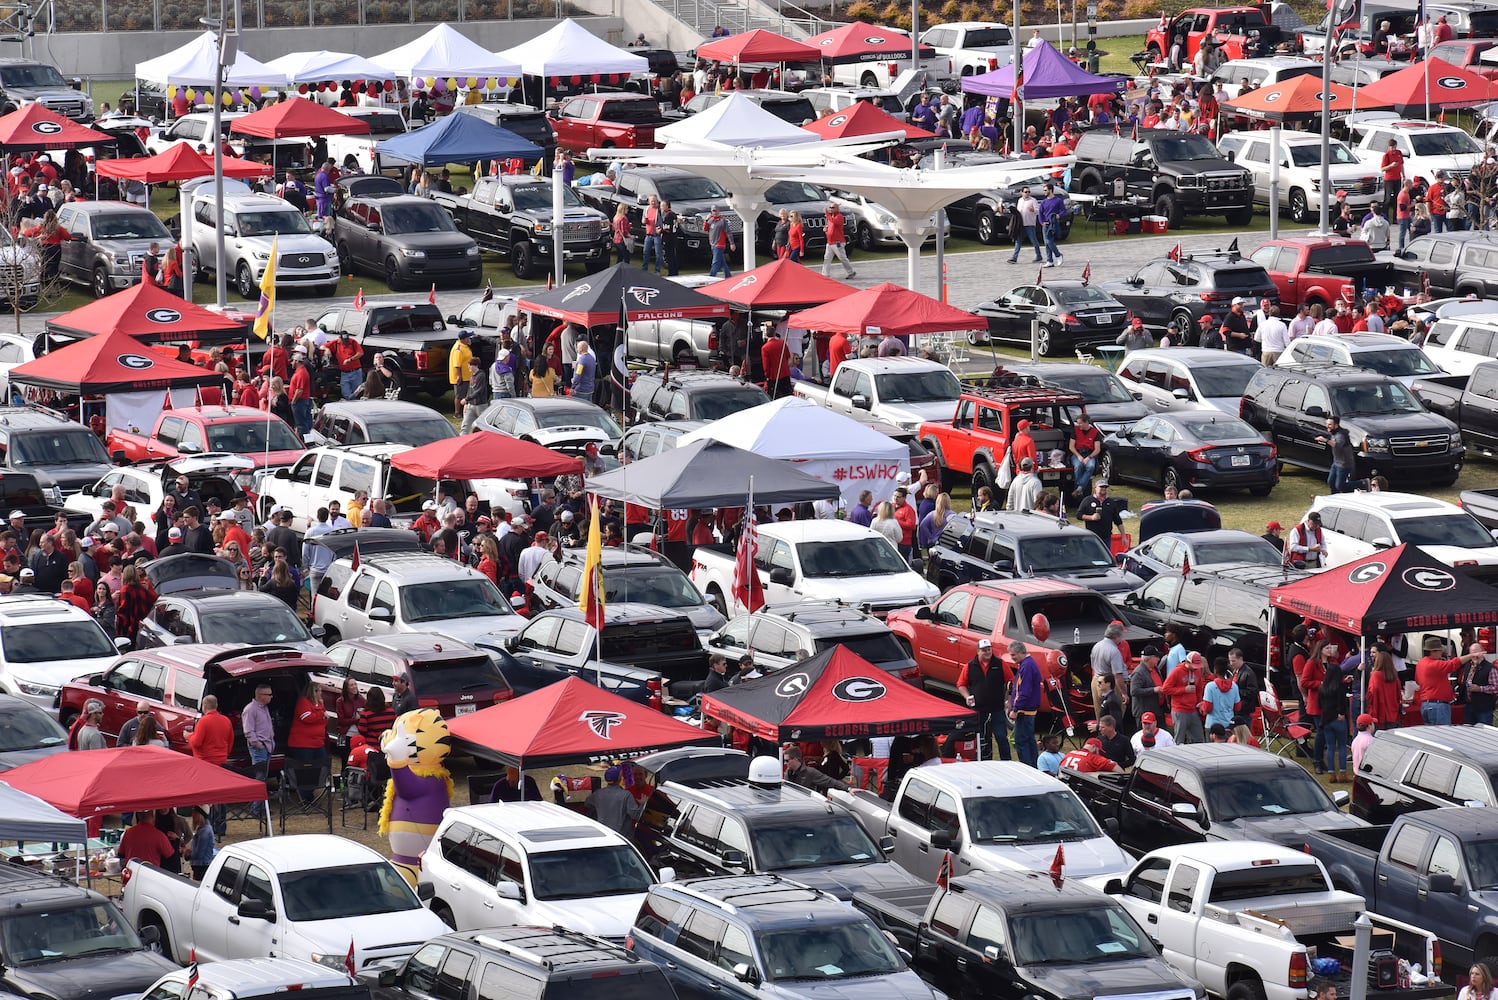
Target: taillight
{"type": "Point", "coordinates": [993, 64]}
{"type": "Point", "coordinates": [420, 357]}
{"type": "Point", "coordinates": [1274, 652]}
{"type": "Point", "coordinates": [1274, 452]}
{"type": "Point", "coordinates": [654, 687]}
{"type": "Point", "coordinates": [1347, 293]}
{"type": "Point", "coordinates": [1486, 636]}
{"type": "Point", "coordinates": [1435, 959]}
{"type": "Point", "coordinates": [894, 71]}
{"type": "Point", "coordinates": [428, 702]}
{"type": "Point", "coordinates": [712, 341]}
{"type": "Point", "coordinates": [1465, 562]}
{"type": "Point", "coordinates": [1067, 318]}
{"type": "Point", "coordinates": [1199, 455]}
{"type": "Point", "coordinates": [1298, 971]}
{"type": "Point", "coordinates": [1215, 296]}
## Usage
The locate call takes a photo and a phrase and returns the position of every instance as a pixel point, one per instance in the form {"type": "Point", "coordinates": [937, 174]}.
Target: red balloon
{"type": "Point", "coordinates": [595, 78]}
{"type": "Point", "coordinates": [301, 88]}
{"type": "Point", "coordinates": [358, 84]}
{"type": "Point", "coordinates": [577, 81]}
{"type": "Point", "coordinates": [389, 85]}
{"type": "Point", "coordinates": [1040, 626]}
{"type": "Point", "coordinates": [374, 90]}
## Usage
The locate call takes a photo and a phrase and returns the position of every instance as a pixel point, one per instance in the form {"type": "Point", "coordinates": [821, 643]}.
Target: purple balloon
{"type": "Point", "coordinates": [254, 93]}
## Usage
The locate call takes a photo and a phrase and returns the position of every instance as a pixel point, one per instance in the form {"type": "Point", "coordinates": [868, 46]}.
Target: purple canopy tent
{"type": "Point", "coordinates": [1047, 74]}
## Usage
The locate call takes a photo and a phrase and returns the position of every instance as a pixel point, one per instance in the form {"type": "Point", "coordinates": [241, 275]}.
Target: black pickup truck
{"type": "Point", "coordinates": [1469, 401]}
{"type": "Point", "coordinates": [1436, 868]}
{"type": "Point", "coordinates": [1005, 545]}
{"type": "Point", "coordinates": [511, 215]}
{"type": "Point", "coordinates": [413, 333]}
{"type": "Point", "coordinates": [1207, 792]}
{"type": "Point", "coordinates": [1023, 935]}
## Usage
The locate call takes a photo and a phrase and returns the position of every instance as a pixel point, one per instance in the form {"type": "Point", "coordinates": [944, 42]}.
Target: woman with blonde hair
{"type": "Point", "coordinates": [884, 522]}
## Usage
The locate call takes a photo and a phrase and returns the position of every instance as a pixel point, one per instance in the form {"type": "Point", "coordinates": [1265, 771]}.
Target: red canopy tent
{"type": "Point", "coordinates": [863, 119]}
{"type": "Point", "coordinates": [836, 694]}
{"type": "Point", "coordinates": [758, 46]}
{"type": "Point", "coordinates": [1295, 99]}
{"type": "Point", "coordinates": [180, 163]}
{"type": "Point", "coordinates": [1449, 87]}
{"type": "Point", "coordinates": [570, 722]}
{"type": "Point", "coordinates": [151, 315]}
{"type": "Point", "coordinates": [91, 783]}
{"type": "Point", "coordinates": [36, 127]}
{"type": "Point", "coordinates": [112, 362]}
{"type": "Point", "coordinates": [778, 284]}
{"type": "Point", "coordinates": [886, 309]}
{"type": "Point", "coordinates": [864, 42]}
{"type": "Point", "coordinates": [484, 455]}
{"type": "Point", "coordinates": [297, 117]}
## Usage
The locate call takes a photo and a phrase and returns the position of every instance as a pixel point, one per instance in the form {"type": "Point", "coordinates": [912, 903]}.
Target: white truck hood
{"type": "Point", "coordinates": [475, 627]}
{"type": "Point", "coordinates": [910, 587]}
{"type": "Point", "coordinates": [375, 936]}
{"type": "Point", "coordinates": [601, 916]}
{"type": "Point", "coordinates": [911, 415]}
{"type": "Point", "coordinates": [56, 673]}
{"type": "Point", "coordinates": [1453, 554]}
{"type": "Point", "coordinates": [1099, 858]}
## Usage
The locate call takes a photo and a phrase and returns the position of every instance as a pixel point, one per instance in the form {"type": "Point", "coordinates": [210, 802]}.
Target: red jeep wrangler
{"type": "Point", "coordinates": [1229, 27]}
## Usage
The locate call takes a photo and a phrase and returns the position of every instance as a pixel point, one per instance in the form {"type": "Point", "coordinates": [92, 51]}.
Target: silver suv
{"type": "Point", "coordinates": [109, 244]}
{"type": "Point", "coordinates": [780, 635]}
{"type": "Point", "coordinates": [409, 592]}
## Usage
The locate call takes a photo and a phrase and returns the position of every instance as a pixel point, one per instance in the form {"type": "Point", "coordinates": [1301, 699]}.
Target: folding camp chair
{"type": "Point", "coordinates": [1281, 731]}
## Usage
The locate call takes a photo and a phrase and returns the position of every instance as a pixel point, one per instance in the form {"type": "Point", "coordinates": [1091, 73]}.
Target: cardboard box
{"type": "Point", "coordinates": [1378, 940]}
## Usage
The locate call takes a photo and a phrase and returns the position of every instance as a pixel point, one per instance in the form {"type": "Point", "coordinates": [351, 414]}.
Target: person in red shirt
{"type": "Point", "coordinates": [234, 532]}
{"type": "Point", "coordinates": [143, 842]}
{"type": "Point", "coordinates": [1086, 448]}
{"type": "Point", "coordinates": [245, 393]}
{"type": "Point", "coordinates": [1023, 445]}
{"type": "Point", "coordinates": [1433, 675]}
{"type": "Point", "coordinates": [909, 520]}
{"type": "Point", "coordinates": [350, 357]}
{"type": "Point", "coordinates": [299, 391]}
{"type": "Point", "coordinates": [1392, 165]}
{"type": "Point", "coordinates": [839, 349]}
{"type": "Point", "coordinates": [212, 736]}
{"type": "Point", "coordinates": [79, 592]}
{"type": "Point", "coordinates": [276, 360]}
{"type": "Point", "coordinates": [1089, 759]}
{"type": "Point", "coordinates": [1183, 689]}
{"type": "Point", "coordinates": [775, 356]}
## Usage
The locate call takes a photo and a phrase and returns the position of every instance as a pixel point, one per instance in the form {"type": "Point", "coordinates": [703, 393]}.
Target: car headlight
{"type": "Point", "coordinates": [541, 227]}
{"type": "Point", "coordinates": [261, 254]}
{"type": "Point", "coordinates": [36, 689]}
{"type": "Point", "coordinates": [1375, 444]}
{"type": "Point", "coordinates": [120, 258]}
{"type": "Point", "coordinates": [1316, 184]}
{"type": "Point", "coordinates": [339, 962]}
{"type": "Point", "coordinates": [408, 252]}
{"type": "Point", "coordinates": [885, 218]}
{"type": "Point", "coordinates": [473, 251]}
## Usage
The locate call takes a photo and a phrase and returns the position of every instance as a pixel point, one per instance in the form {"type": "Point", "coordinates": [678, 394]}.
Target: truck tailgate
{"type": "Point", "coordinates": [1310, 918]}
{"type": "Point", "coordinates": [899, 910]}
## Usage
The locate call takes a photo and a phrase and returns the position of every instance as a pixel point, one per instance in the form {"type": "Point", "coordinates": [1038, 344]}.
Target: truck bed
{"type": "Point", "coordinates": [900, 911]}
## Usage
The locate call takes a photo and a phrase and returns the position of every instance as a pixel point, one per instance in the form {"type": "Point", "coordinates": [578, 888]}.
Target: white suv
{"type": "Point", "coordinates": [534, 863]}
{"type": "Point", "coordinates": [1300, 170]}
{"type": "Point", "coordinates": [1460, 343]}
{"type": "Point", "coordinates": [44, 643]}
{"type": "Point", "coordinates": [1381, 352]}
{"type": "Point", "coordinates": [253, 223]}
{"type": "Point", "coordinates": [1427, 146]}
{"type": "Point", "coordinates": [1359, 524]}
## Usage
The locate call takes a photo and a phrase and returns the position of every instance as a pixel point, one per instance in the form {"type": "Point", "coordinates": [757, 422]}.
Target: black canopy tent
{"type": "Point", "coordinates": [709, 474]}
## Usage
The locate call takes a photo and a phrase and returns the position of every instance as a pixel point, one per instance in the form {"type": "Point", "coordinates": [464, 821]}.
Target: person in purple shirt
{"type": "Point", "coordinates": [1052, 211]}
{"type": "Point", "coordinates": [1024, 702]}
{"type": "Point", "coordinates": [259, 734]}
{"type": "Point", "coordinates": [322, 189]}
{"type": "Point", "coordinates": [972, 118]}
{"type": "Point", "coordinates": [860, 514]}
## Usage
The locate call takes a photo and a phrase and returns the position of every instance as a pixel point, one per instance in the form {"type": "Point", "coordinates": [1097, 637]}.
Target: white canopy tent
{"type": "Point", "coordinates": [443, 52]}
{"type": "Point", "coordinates": [569, 49]}
{"type": "Point", "coordinates": [26, 817]}
{"type": "Point", "coordinates": [196, 65]}
{"type": "Point", "coordinates": [315, 67]}
{"type": "Point", "coordinates": [818, 441]}
{"type": "Point", "coordinates": [734, 121]}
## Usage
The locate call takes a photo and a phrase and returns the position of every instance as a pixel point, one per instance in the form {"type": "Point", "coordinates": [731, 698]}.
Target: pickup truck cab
{"type": "Point", "coordinates": [817, 560]}
{"type": "Point", "coordinates": [511, 215]}
{"type": "Point", "coordinates": [1300, 166]}
{"type": "Point", "coordinates": [971, 47]}
{"type": "Point", "coordinates": [309, 896]}
{"type": "Point", "coordinates": [606, 121]}
{"type": "Point", "coordinates": [994, 815]}
{"type": "Point", "coordinates": [973, 440]}
{"type": "Point", "coordinates": [1024, 934]}
{"type": "Point", "coordinates": [1321, 270]}
{"type": "Point", "coordinates": [904, 391]}
{"type": "Point", "coordinates": [1243, 918]}
{"type": "Point", "coordinates": [221, 431]}
{"type": "Point", "coordinates": [1427, 146]}
{"type": "Point", "coordinates": [414, 333]}
{"type": "Point", "coordinates": [1208, 792]}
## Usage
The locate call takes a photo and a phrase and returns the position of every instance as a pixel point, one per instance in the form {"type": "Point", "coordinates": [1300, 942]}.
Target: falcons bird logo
{"type": "Point", "coordinates": [603, 723]}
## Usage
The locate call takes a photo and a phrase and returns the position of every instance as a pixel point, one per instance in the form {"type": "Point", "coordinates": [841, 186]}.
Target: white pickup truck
{"type": "Point", "coordinates": [903, 391]}
{"type": "Point", "coordinates": [972, 47]}
{"type": "Point", "coordinates": [306, 896]}
{"type": "Point", "coordinates": [1245, 917]}
{"type": "Point", "coordinates": [821, 560]}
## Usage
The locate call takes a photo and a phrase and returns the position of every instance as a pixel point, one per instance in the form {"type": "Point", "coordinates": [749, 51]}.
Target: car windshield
{"type": "Point", "coordinates": [1459, 529]}
{"type": "Point", "coordinates": [1309, 154]}
{"type": "Point", "coordinates": [658, 585]}
{"type": "Point", "coordinates": [985, 38]}
{"type": "Point", "coordinates": [31, 77]}
{"type": "Point", "coordinates": [1101, 933]}
{"type": "Point", "coordinates": [40, 643]}
{"type": "Point", "coordinates": [579, 417]}
{"type": "Point", "coordinates": [1095, 388]}
{"type": "Point", "coordinates": [270, 223]}
{"type": "Point", "coordinates": [23, 726]}
{"type": "Point", "coordinates": [271, 622]}
{"type": "Point", "coordinates": [854, 557]}
{"type": "Point", "coordinates": [130, 226]}
{"type": "Point", "coordinates": [444, 599]}
{"type": "Point", "coordinates": [334, 893]}
{"type": "Point", "coordinates": [1450, 142]}
{"type": "Point", "coordinates": [246, 437]}
{"type": "Point", "coordinates": [1482, 863]}
{"type": "Point", "coordinates": [1063, 552]}
{"type": "Point", "coordinates": [721, 403]}
{"type": "Point", "coordinates": [1289, 791]}
{"type": "Point", "coordinates": [70, 932]}
{"type": "Point", "coordinates": [79, 447]}
{"type": "Point", "coordinates": [457, 677]}
{"type": "Point", "coordinates": [1026, 819]}
{"type": "Point", "coordinates": [830, 840]}
{"type": "Point", "coordinates": [791, 192]}
{"type": "Point", "coordinates": [1374, 398]}
{"type": "Point", "coordinates": [537, 197]}
{"type": "Point", "coordinates": [1174, 148]}
{"type": "Point", "coordinates": [918, 387]}
{"type": "Point", "coordinates": [1216, 381]}
{"type": "Point", "coordinates": [594, 871]}
{"type": "Point", "coordinates": [1219, 428]}
{"type": "Point", "coordinates": [1398, 362]}
{"type": "Point", "coordinates": [879, 648]}
{"type": "Point", "coordinates": [428, 218]}
{"type": "Point", "coordinates": [412, 432]}
{"type": "Point", "coordinates": [835, 951]}
{"type": "Point", "coordinates": [679, 189]}
{"type": "Point", "coordinates": [1247, 550]}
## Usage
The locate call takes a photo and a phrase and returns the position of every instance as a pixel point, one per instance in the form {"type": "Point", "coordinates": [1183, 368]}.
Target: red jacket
{"type": "Point", "coordinates": [309, 726]}
{"type": "Point", "coordinates": [1383, 698]}
{"type": "Point", "coordinates": [836, 231]}
{"type": "Point", "coordinates": [776, 358]}
{"type": "Point", "coordinates": [1434, 677]}
{"type": "Point", "coordinates": [212, 738]}
{"type": "Point", "coordinates": [1182, 688]}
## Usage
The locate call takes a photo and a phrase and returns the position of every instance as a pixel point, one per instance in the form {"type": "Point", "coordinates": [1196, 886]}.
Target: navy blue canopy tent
{"type": "Point", "coordinates": [457, 139]}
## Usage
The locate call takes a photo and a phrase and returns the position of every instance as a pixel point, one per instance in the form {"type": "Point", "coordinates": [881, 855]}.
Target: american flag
{"type": "Point", "coordinates": [747, 589]}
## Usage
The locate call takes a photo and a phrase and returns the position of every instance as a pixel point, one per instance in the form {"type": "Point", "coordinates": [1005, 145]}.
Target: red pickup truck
{"type": "Point", "coordinates": [974, 441]}
{"type": "Point", "coordinates": [1229, 27]}
{"type": "Point", "coordinates": [602, 121]}
{"type": "Point", "coordinates": [1321, 269]}
{"type": "Point", "coordinates": [234, 430]}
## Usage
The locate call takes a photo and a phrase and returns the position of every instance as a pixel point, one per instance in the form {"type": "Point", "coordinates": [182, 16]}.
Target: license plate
{"type": "Point", "coordinates": [1241, 460]}
{"type": "Point", "coordinates": [465, 709]}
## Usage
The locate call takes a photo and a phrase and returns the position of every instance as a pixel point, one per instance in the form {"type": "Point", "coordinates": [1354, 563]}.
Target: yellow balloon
{"type": "Point", "coordinates": [511, 81]}
{"type": "Point", "coordinates": [228, 99]}
{"type": "Point", "coordinates": [192, 97]}
{"type": "Point", "coordinates": [171, 91]}
{"type": "Point", "coordinates": [431, 82]}
{"type": "Point", "coordinates": [452, 83]}
{"type": "Point", "coordinates": [473, 81]}
{"type": "Point", "coordinates": [493, 83]}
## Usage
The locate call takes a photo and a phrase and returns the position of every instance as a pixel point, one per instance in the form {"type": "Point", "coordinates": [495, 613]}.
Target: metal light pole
{"type": "Point", "coordinates": [1336, 16]}
{"type": "Point", "coordinates": [1016, 108]}
{"type": "Point", "coordinates": [228, 51]}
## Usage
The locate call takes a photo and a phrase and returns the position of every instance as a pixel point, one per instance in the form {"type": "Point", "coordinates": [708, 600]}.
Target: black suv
{"type": "Point", "coordinates": [408, 241]}
{"type": "Point", "coordinates": [1464, 263]}
{"type": "Point", "coordinates": [986, 214]}
{"type": "Point", "coordinates": [1187, 289]}
{"type": "Point", "coordinates": [60, 941]}
{"type": "Point", "coordinates": [1172, 172]}
{"type": "Point", "coordinates": [538, 963]}
{"type": "Point", "coordinates": [631, 573]}
{"type": "Point", "coordinates": [511, 215]}
{"type": "Point", "coordinates": [414, 333]}
{"type": "Point", "coordinates": [378, 421]}
{"type": "Point", "coordinates": [722, 826]}
{"type": "Point", "coordinates": [692, 197]}
{"type": "Point", "coordinates": [1395, 436]}
{"type": "Point", "coordinates": [691, 395]}
{"type": "Point", "coordinates": [1407, 770]}
{"type": "Point", "coordinates": [1006, 545]}
{"type": "Point", "coordinates": [63, 455]}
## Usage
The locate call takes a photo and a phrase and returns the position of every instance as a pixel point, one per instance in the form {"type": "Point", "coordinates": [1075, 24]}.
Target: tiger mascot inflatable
{"type": "Point", "coordinates": [420, 788]}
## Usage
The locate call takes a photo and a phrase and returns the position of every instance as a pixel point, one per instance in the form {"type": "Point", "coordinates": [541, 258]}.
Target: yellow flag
{"type": "Point", "coordinates": [590, 597]}
{"type": "Point", "coordinates": [267, 294]}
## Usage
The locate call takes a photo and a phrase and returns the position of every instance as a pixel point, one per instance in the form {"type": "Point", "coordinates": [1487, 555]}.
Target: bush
{"type": "Point", "coordinates": [862, 10]}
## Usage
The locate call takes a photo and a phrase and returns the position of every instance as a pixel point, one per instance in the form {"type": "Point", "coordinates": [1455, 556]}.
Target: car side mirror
{"type": "Point", "coordinates": [925, 614]}
{"type": "Point", "coordinates": [150, 934]}
{"type": "Point", "coordinates": [1181, 393]}
{"type": "Point", "coordinates": [426, 891]}
{"type": "Point", "coordinates": [1185, 810]}
{"type": "Point", "coordinates": [1443, 883]}
{"type": "Point", "coordinates": [941, 841]}
{"type": "Point", "coordinates": [782, 577]}
{"type": "Point", "coordinates": [860, 402]}
{"type": "Point", "coordinates": [732, 858]}
{"type": "Point", "coordinates": [1340, 799]}
{"type": "Point", "coordinates": [744, 974]}
{"type": "Point", "coordinates": [455, 321]}
{"type": "Point", "coordinates": [993, 954]}
{"type": "Point", "coordinates": [509, 890]}
{"type": "Point", "coordinates": [1316, 411]}
{"type": "Point", "coordinates": [1131, 599]}
{"type": "Point", "coordinates": [887, 844]}
{"type": "Point", "coordinates": [1232, 156]}
{"type": "Point", "coordinates": [1383, 542]}
{"type": "Point", "coordinates": [317, 631]}
{"type": "Point", "coordinates": [1113, 887]}
{"type": "Point", "coordinates": [283, 473]}
{"type": "Point", "coordinates": [256, 909]}
{"type": "Point", "coordinates": [1004, 566]}
{"type": "Point", "coordinates": [382, 615]}
{"type": "Point", "coordinates": [667, 874]}
{"type": "Point", "coordinates": [188, 448]}
{"type": "Point", "coordinates": [388, 976]}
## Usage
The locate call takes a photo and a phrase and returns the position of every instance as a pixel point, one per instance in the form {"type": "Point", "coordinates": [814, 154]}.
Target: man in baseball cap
{"type": "Point", "coordinates": [1089, 759]}
{"type": "Point", "coordinates": [1274, 535]}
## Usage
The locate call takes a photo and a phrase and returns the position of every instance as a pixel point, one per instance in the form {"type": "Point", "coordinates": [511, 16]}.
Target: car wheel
{"type": "Point", "coordinates": [1063, 230]}
{"type": "Point", "coordinates": [245, 282]}
{"type": "Point", "coordinates": [715, 598]}
{"type": "Point", "coordinates": [523, 259]}
{"type": "Point", "coordinates": [1300, 209]}
{"type": "Point", "coordinates": [866, 239]}
{"type": "Point", "coordinates": [988, 228]}
{"type": "Point", "coordinates": [393, 275]}
{"type": "Point", "coordinates": [1170, 479]}
{"type": "Point", "coordinates": [67, 718]}
{"type": "Point", "coordinates": [1045, 341]}
{"type": "Point", "coordinates": [983, 475]}
{"type": "Point", "coordinates": [1246, 989]}
{"type": "Point", "coordinates": [1153, 52]}
{"type": "Point", "coordinates": [1105, 466]}
{"type": "Point", "coordinates": [1184, 319]}
{"type": "Point", "coordinates": [977, 338]}
{"type": "Point", "coordinates": [869, 80]}
{"type": "Point", "coordinates": [1167, 206]}
{"type": "Point", "coordinates": [101, 283]}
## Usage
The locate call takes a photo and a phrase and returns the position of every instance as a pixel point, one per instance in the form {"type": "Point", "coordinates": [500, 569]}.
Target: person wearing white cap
{"type": "Point", "coordinates": [984, 689]}
{"type": "Point", "coordinates": [174, 543]}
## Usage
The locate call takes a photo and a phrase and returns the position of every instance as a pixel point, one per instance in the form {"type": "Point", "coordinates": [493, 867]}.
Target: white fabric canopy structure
{"type": "Point", "coordinates": [196, 65]}
{"type": "Point", "coordinates": [569, 49]}
{"type": "Point", "coordinates": [816, 440]}
{"type": "Point", "coordinates": [315, 67]}
{"type": "Point", "coordinates": [443, 52]}
{"type": "Point", "coordinates": [23, 816]}
{"type": "Point", "coordinates": [734, 121]}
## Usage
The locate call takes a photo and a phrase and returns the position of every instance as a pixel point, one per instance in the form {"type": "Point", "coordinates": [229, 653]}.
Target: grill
{"type": "Point", "coordinates": [303, 260]}
{"type": "Point", "coordinates": [581, 230]}
{"type": "Point", "coordinates": [68, 109]}
{"type": "Point", "coordinates": [1435, 444]}
{"type": "Point", "coordinates": [1368, 187]}
{"type": "Point", "coordinates": [1224, 183]}
{"type": "Point", "coordinates": [446, 253]}
{"type": "Point", "coordinates": [814, 222]}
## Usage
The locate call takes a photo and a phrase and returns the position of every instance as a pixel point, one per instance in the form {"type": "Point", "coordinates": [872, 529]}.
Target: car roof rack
{"type": "Point", "coordinates": [1038, 392]}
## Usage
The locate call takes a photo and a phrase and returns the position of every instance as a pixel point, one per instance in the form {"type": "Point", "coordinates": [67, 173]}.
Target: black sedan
{"type": "Point", "coordinates": [1202, 449]}
{"type": "Point", "coordinates": [1109, 402]}
{"type": "Point", "coordinates": [1071, 315]}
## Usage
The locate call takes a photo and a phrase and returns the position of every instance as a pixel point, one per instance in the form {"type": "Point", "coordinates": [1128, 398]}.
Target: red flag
{"type": "Point", "coordinates": [348, 960]}
{"type": "Point", "coordinates": [1441, 118]}
{"type": "Point", "coordinates": [548, 281]}
{"type": "Point", "coordinates": [192, 971]}
{"type": "Point", "coordinates": [1060, 861]}
{"type": "Point", "coordinates": [432, 295]}
{"type": "Point", "coordinates": [1086, 274]}
{"type": "Point", "coordinates": [944, 873]}
{"type": "Point", "coordinates": [1175, 252]}
{"type": "Point", "coordinates": [1040, 276]}
{"type": "Point", "coordinates": [1115, 127]}
{"type": "Point", "coordinates": [748, 591]}
{"type": "Point", "coordinates": [1186, 566]}
{"type": "Point", "coordinates": [353, 561]}
{"type": "Point", "coordinates": [1005, 150]}
{"type": "Point", "coordinates": [359, 298]}
{"type": "Point", "coordinates": [1135, 135]}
